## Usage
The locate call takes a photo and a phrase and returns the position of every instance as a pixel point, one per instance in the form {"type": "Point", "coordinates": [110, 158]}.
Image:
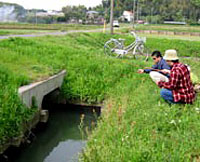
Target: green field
{"type": "Point", "coordinates": [23, 27]}
{"type": "Point", "coordinates": [172, 37]}
{"type": "Point", "coordinates": [22, 31]}
{"type": "Point", "coordinates": [136, 124]}
{"type": "Point", "coordinates": [17, 28]}
{"type": "Point", "coordinates": [174, 28]}
{"type": "Point", "coordinates": [46, 26]}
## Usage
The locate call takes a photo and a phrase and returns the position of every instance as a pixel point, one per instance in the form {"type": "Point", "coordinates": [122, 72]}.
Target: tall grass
{"type": "Point", "coordinates": [12, 113]}
{"type": "Point", "coordinates": [137, 125]}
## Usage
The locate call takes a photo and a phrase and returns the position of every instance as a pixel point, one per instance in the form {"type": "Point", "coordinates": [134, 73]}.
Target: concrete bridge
{"type": "Point", "coordinates": [38, 90]}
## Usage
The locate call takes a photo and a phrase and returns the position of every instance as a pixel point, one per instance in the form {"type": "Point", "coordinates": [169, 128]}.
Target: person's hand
{"type": "Point", "coordinates": [157, 82]}
{"type": "Point", "coordinates": [140, 71]}
{"type": "Point", "coordinates": [165, 71]}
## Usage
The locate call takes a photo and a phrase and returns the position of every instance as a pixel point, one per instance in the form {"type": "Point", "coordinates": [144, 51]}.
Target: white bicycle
{"type": "Point", "coordinates": [137, 49]}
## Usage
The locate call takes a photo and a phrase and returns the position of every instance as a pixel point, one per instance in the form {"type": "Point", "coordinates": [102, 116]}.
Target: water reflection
{"type": "Point", "coordinates": [63, 150]}
{"type": "Point", "coordinates": [61, 139]}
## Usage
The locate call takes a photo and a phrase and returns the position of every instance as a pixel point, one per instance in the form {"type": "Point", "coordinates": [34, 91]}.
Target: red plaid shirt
{"type": "Point", "coordinates": [180, 84]}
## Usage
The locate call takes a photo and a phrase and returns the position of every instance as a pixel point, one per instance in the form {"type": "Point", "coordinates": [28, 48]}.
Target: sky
{"type": "Point", "coordinates": [53, 4]}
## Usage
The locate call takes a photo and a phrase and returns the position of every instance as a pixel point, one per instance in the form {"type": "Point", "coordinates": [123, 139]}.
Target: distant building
{"type": "Point", "coordinates": [50, 13]}
{"type": "Point", "coordinates": [92, 14]}
{"type": "Point", "coordinates": [93, 17]}
{"type": "Point", "coordinates": [128, 16]}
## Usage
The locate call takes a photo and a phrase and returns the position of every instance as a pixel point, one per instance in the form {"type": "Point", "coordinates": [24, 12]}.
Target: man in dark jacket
{"type": "Point", "coordinates": [157, 72]}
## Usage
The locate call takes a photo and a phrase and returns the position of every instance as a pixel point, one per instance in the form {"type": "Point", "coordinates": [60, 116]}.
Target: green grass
{"type": "Point", "coordinates": [22, 28]}
{"type": "Point", "coordinates": [17, 28]}
{"type": "Point", "coordinates": [135, 124]}
{"type": "Point", "coordinates": [13, 114]}
{"type": "Point", "coordinates": [17, 32]}
{"type": "Point", "coordinates": [138, 126]}
{"type": "Point", "coordinates": [183, 47]}
{"type": "Point", "coordinates": [172, 37]}
{"type": "Point", "coordinates": [173, 28]}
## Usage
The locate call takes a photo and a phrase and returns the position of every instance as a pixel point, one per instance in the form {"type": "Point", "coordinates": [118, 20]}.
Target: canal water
{"type": "Point", "coordinates": [62, 138]}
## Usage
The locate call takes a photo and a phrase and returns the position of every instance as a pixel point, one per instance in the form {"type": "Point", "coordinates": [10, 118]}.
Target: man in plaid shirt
{"type": "Point", "coordinates": [179, 88]}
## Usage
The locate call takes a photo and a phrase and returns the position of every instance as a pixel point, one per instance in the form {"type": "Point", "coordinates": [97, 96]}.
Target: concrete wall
{"type": "Point", "coordinates": [39, 89]}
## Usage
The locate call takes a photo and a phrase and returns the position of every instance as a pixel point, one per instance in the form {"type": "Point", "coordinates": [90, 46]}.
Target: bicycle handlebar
{"type": "Point", "coordinates": [137, 38]}
{"type": "Point", "coordinates": [134, 34]}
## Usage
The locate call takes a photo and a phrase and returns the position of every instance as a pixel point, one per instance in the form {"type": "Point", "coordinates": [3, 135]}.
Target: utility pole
{"type": "Point", "coordinates": [151, 14]}
{"type": "Point", "coordinates": [36, 21]}
{"type": "Point", "coordinates": [137, 10]}
{"type": "Point", "coordinates": [105, 14]}
{"type": "Point", "coordinates": [133, 12]}
{"type": "Point", "coordinates": [111, 16]}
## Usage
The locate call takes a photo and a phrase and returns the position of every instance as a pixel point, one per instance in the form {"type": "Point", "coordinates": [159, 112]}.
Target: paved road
{"type": "Point", "coordinates": [52, 33]}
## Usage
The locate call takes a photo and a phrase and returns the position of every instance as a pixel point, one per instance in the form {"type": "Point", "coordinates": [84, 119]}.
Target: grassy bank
{"type": "Point", "coordinates": [136, 123]}
{"type": "Point", "coordinates": [13, 114]}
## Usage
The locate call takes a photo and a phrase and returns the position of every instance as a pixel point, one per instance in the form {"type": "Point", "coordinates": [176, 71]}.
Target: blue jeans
{"type": "Point", "coordinates": [167, 95]}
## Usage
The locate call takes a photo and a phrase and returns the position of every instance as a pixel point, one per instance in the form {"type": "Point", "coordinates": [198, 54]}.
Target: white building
{"type": "Point", "coordinates": [128, 16]}
{"type": "Point", "coordinates": [50, 13]}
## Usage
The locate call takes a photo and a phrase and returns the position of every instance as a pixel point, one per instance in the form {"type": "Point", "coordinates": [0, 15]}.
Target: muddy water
{"type": "Point", "coordinates": [60, 140]}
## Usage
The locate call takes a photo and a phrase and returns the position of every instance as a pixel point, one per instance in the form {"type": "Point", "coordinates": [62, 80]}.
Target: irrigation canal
{"type": "Point", "coordinates": [60, 139]}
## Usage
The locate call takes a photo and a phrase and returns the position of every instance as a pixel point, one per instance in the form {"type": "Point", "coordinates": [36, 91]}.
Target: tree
{"type": "Point", "coordinates": [74, 12]}
{"type": "Point", "coordinates": [196, 3]}
{"type": "Point", "coordinates": [174, 10]}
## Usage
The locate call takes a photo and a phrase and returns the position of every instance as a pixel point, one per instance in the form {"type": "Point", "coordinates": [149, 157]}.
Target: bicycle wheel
{"type": "Point", "coordinates": [111, 46]}
{"type": "Point", "coordinates": [140, 52]}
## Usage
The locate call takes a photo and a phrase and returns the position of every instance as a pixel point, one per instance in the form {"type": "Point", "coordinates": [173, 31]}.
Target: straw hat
{"type": "Point", "coordinates": [170, 55]}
